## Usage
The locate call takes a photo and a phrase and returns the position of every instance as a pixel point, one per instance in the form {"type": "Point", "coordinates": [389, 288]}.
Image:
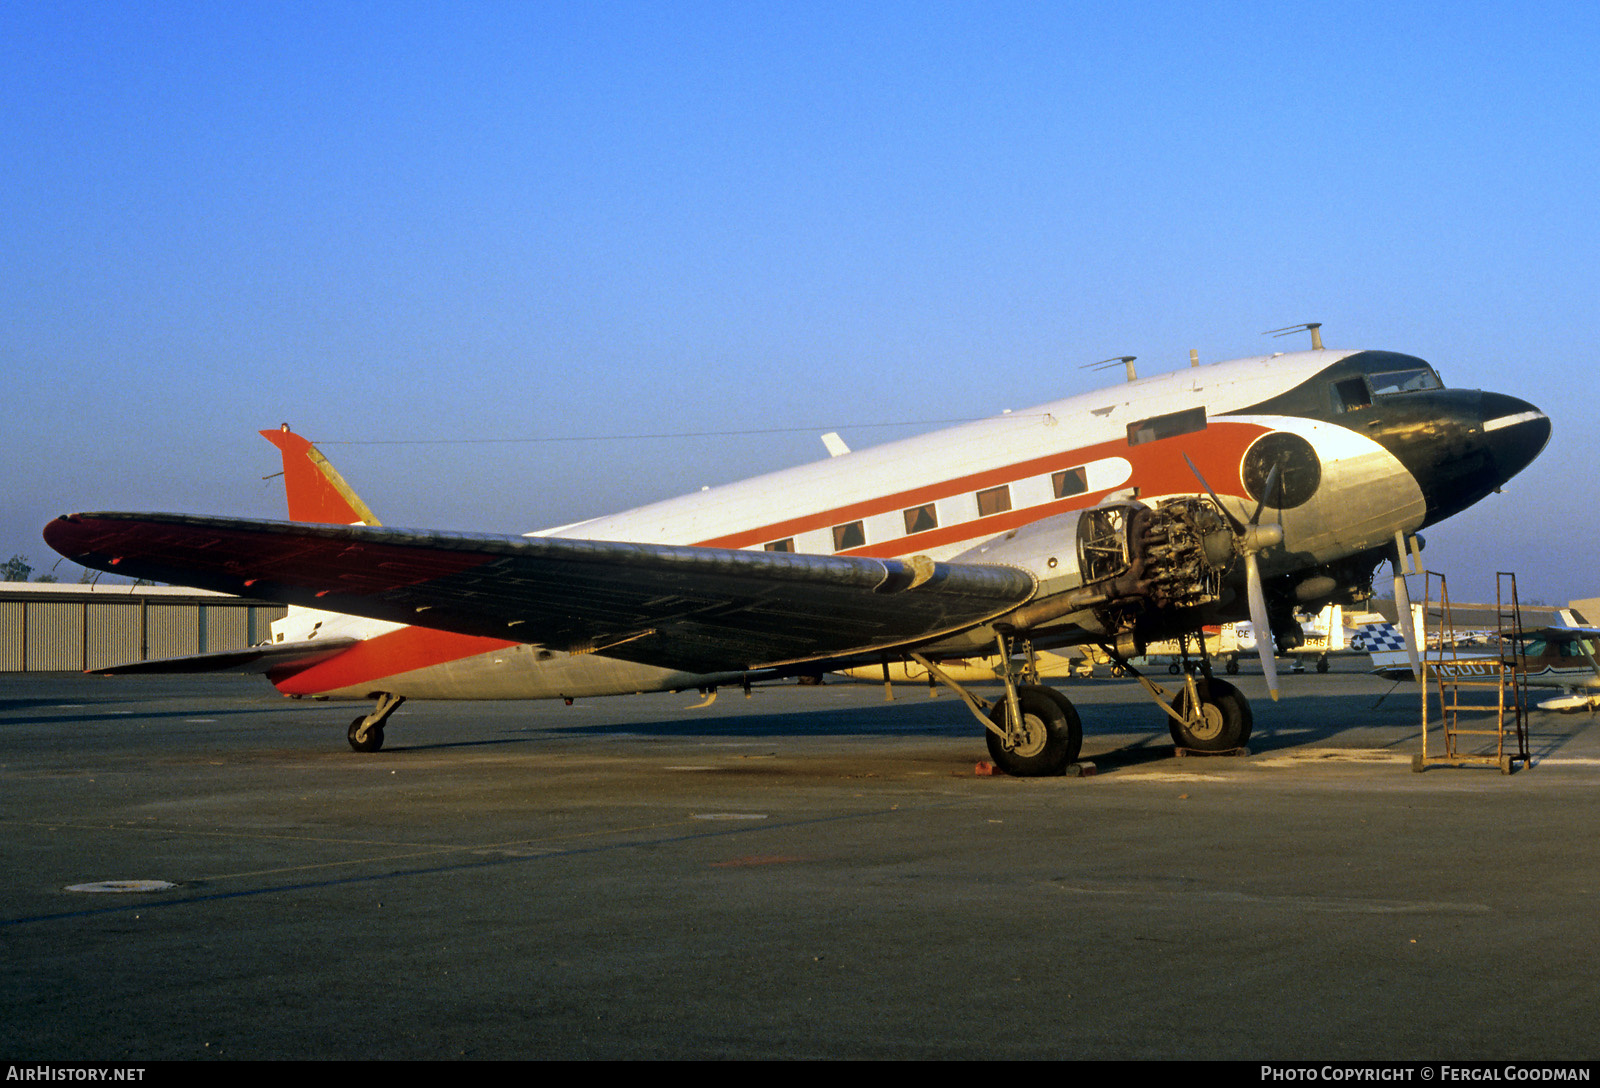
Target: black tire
{"type": "Point", "coordinates": [1322, 663]}
{"type": "Point", "coordinates": [374, 739]}
{"type": "Point", "coordinates": [1231, 667]}
{"type": "Point", "coordinates": [1227, 718]}
{"type": "Point", "coordinates": [1174, 669]}
{"type": "Point", "coordinates": [1054, 735]}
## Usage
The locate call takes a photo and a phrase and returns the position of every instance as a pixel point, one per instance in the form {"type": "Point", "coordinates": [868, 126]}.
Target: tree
{"type": "Point", "coordinates": [16, 569]}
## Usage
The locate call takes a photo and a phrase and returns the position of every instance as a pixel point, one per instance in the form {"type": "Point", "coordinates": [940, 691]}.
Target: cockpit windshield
{"type": "Point", "coordinates": [1404, 381]}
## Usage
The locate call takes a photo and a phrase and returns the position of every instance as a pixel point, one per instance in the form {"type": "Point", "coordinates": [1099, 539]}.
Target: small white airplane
{"type": "Point", "coordinates": [1552, 657]}
{"type": "Point", "coordinates": [1120, 518]}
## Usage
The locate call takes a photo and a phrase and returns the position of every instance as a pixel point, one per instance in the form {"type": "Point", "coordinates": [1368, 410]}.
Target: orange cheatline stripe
{"type": "Point", "coordinates": [1158, 469]}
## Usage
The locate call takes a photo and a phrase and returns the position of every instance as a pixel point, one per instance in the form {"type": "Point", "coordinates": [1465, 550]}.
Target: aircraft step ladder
{"type": "Point", "coordinates": [1459, 682]}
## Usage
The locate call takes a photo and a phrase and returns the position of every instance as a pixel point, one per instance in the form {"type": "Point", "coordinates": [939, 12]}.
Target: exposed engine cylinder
{"type": "Point", "coordinates": [1143, 559]}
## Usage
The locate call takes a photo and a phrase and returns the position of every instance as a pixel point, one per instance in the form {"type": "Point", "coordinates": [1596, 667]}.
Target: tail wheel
{"type": "Point", "coordinates": [373, 740]}
{"type": "Point", "coordinates": [1224, 721]}
{"type": "Point", "coordinates": [1050, 737]}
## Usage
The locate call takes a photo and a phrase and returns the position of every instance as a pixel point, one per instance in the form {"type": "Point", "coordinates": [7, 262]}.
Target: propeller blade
{"type": "Point", "coordinates": [1408, 630]}
{"type": "Point", "coordinates": [1267, 492]}
{"type": "Point", "coordinates": [1238, 526]}
{"type": "Point", "coordinates": [1259, 621]}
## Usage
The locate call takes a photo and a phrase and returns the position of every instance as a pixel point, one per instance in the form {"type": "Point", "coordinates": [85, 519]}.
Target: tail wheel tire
{"type": "Point", "coordinates": [1225, 719]}
{"type": "Point", "coordinates": [373, 741]}
{"type": "Point", "coordinates": [1050, 738]}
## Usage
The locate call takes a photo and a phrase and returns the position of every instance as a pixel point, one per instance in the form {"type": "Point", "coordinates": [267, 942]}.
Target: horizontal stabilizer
{"type": "Point", "coordinates": [269, 657]}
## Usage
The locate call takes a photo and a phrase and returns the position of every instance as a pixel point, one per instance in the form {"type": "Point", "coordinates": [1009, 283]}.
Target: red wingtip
{"type": "Point", "coordinates": [316, 491]}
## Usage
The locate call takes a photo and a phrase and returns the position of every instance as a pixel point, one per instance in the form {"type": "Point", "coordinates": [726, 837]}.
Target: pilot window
{"type": "Point", "coordinates": [784, 545]}
{"type": "Point", "coordinates": [1351, 394]}
{"type": "Point", "coordinates": [1173, 423]}
{"type": "Point", "coordinates": [919, 519]}
{"type": "Point", "coordinates": [849, 535]}
{"type": "Point", "coordinates": [1070, 482]}
{"type": "Point", "coordinates": [1404, 381]}
{"type": "Point", "coordinates": [995, 500]}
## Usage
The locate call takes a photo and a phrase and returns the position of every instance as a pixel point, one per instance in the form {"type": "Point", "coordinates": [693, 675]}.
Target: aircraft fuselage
{"type": "Point", "coordinates": [1341, 449]}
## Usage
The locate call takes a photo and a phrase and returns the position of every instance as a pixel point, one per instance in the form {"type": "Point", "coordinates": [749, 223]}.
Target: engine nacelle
{"type": "Point", "coordinates": [1124, 562]}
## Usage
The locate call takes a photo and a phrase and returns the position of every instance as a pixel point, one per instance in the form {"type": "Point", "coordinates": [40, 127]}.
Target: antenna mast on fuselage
{"type": "Point", "coordinates": [1106, 364]}
{"type": "Point", "coordinates": [1313, 327]}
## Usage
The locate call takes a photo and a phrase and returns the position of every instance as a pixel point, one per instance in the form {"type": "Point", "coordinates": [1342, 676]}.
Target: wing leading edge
{"type": "Point", "coordinates": [697, 609]}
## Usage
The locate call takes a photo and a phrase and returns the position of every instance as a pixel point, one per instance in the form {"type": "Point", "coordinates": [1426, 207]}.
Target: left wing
{"type": "Point", "coordinates": [697, 609]}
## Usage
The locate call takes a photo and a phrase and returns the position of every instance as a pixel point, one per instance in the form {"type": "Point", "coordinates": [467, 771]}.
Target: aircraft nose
{"type": "Point", "coordinates": [1514, 431]}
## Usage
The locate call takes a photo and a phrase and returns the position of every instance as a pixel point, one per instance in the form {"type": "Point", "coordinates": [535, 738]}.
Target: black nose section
{"type": "Point", "coordinates": [1514, 431]}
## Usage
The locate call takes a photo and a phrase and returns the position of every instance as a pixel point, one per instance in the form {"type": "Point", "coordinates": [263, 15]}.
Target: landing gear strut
{"type": "Point", "coordinates": [1045, 742]}
{"type": "Point", "coordinates": [366, 731]}
{"type": "Point", "coordinates": [1207, 715]}
{"type": "Point", "coordinates": [1031, 731]}
{"type": "Point", "coordinates": [1210, 716]}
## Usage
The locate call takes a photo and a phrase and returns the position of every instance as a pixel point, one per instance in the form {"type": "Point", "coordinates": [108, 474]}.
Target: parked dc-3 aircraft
{"type": "Point", "coordinates": [1122, 517]}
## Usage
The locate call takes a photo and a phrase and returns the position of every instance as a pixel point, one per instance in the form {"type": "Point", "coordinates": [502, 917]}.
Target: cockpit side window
{"type": "Point", "coordinates": [1350, 395]}
{"type": "Point", "coordinates": [1404, 381]}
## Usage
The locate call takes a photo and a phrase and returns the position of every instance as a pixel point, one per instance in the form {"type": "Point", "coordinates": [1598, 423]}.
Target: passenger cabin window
{"type": "Point", "coordinates": [1173, 423]}
{"type": "Point", "coordinates": [1070, 482]}
{"type": "Point", "coordinates": [784, 545]}
{"type": "Point", "coordinates": [919, 519]}
{"type": "Point", "coordinates": [849, 535]}
{"type": "Point", "coordinates": [1404, 381]}
{"type": "Point", "coordinates": [995, 500]}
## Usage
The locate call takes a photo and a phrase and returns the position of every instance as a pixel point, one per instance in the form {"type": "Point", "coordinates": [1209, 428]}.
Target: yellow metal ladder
{"type": "Point", "coordinates": [1454, 679]}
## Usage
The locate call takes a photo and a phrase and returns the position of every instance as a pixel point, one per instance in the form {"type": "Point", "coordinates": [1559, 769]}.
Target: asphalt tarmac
{"type": "Point", "coordinates": [811, 873]}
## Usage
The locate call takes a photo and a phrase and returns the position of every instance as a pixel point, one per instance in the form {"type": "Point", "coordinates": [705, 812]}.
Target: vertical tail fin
{"type": "Point", "coordinates": [315, 490]}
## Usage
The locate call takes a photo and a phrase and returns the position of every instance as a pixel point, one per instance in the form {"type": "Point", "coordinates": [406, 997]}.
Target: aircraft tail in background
{"type": "Point", "coordinates": [315, 490]}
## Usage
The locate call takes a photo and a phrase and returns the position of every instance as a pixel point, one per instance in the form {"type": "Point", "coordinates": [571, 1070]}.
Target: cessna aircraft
{"type": "Point", "coordinates": [1552, 657]}
{"type": "Point", "coordinates": [1120, 518]}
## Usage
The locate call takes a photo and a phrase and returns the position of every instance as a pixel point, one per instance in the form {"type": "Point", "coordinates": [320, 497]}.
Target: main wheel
{"type": "Point", "coordinates": [374, 739]}
{"type": "Point", "coordinates": [1051, 734]}
{"type": "Point", "coordinates": [1322, 663]}
{"type": "Point", "coordinates": [1231, 666]}
{"type": "Point", "coordinates": [1225, 719]}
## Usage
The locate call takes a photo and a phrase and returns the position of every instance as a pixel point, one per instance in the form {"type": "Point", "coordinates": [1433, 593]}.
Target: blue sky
{"type": "Point", "coordinates": [550, 221]}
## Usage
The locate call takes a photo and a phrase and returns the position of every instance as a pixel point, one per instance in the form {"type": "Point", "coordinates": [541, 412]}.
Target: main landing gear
{"type": "Point", "coordinates": [1046, 740]}
{"type": "Point", "coordinates": [366, 732]}
{"type": "Point", "coordinates": [1209, 715]}
{"type": "Point", "coordinates": [1032, 730]}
